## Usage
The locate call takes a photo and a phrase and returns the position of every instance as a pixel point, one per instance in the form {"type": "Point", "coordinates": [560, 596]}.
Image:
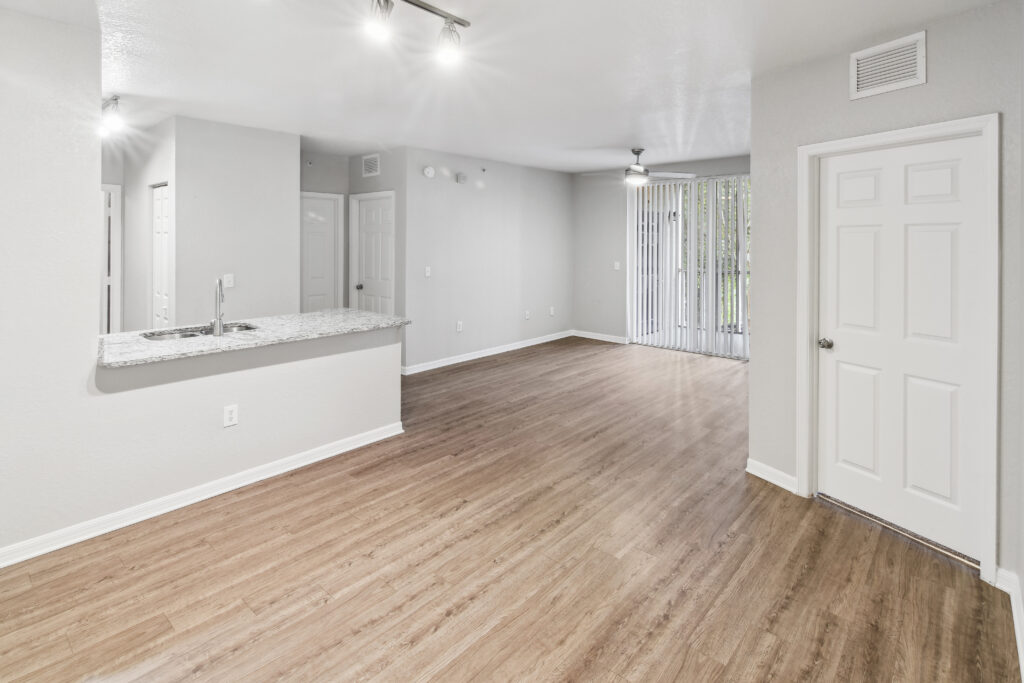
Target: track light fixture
{"type": "Point", "coordinates": [448, 43]}
{"type": "Point", "coordinates": [112, 121]}
{"type": "Point", "coordinates": [377, 25]}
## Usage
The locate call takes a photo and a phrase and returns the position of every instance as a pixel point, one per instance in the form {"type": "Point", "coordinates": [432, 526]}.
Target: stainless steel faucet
{"type": "Point", "coordinates": [218, 315]}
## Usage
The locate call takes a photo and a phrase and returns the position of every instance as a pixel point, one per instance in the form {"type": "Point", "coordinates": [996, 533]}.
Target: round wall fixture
{"type": "Point", "coordinates": [428, 172]}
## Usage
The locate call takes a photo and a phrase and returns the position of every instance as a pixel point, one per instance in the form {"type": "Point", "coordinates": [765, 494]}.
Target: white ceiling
{"type": "Point", "coordinates": [569, 85]}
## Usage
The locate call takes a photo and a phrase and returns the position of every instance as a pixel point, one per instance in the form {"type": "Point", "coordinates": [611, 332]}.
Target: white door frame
{"type": "Point", "coordinates": [807, 255]}
{"type": "Point", "coordinates": [339, 244]}
{"type": "Point", "coordinates": [353, 239]}
{"type": "Point", "coordinates": [116, 311]}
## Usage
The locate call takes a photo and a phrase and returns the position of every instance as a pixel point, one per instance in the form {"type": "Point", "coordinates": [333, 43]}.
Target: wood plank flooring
{"type": "Point", "coordinates": [572, 511]}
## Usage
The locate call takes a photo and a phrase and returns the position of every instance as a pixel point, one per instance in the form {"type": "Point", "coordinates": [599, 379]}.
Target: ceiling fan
{"type": "Point", "coordinates": [638, 174]}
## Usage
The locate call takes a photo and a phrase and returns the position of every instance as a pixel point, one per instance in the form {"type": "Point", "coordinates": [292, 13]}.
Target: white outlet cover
{"type": "Point", "coordinates": [551, 310]}
{"type": "Point", "coordinates": [230, 415]}
{"type": "Point", "coordinates": [527, 315]}
{"type": "Point", "coordinates": [616, 265]}
{"type": "Point", "coordinates": [229, 280]}
{"type": "Point", "coordinates": [426, 271]}
{"type": "Point", "coordinates": [458, 326]}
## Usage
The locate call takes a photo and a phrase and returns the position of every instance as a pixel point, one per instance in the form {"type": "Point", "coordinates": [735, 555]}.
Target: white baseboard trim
{"type": "Point", "coordinates": [1010, 582]}
{"type": "Point", "coordinates": [483, 353]}
{"type": "Point", "coordinates": [772, 475]}
{"type": "Point", "coordinates": [494, 350]}
{"type": "Point", "coordinates": [600, 336]}
{"type": "Point", "coordinates": [40, 545]}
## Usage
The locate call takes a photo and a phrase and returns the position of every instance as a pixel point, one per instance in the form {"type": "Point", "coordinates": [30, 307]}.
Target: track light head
{"type": "Point", "coordinates": [449, 44]}
{"type": "Point", "coordinates": [112, 121]}
{"type": "Point", "coordinates": [377, 25]}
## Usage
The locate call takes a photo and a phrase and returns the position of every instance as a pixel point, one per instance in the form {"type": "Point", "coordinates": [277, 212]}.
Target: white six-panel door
{"type": "Point", "coordinates": [320, 225]}
{"type": "Point", "coordinates": [372, 249]}
{"type": "Point", "coordinates": [163, 258]}
{"type": "Point", "coordinates": [907, 393]}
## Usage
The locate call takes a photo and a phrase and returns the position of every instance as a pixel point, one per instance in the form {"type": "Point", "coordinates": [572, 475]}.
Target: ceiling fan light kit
{"type": "Point", "coordinates": [637, 174]}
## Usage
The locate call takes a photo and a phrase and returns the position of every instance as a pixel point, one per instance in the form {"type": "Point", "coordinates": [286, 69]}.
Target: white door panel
{"type": "Point", "coordinates": [373, 254]}
{"type": "Point", "coordinates": [320, 226]}
{"type": "Point", "coordinates": [163, 257]}
{"type": "Point", "coordinates": [907, 394]}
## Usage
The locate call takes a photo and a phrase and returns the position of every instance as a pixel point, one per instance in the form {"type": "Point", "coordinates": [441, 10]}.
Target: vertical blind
{"type": "Point", "coordinates": [692, 266]}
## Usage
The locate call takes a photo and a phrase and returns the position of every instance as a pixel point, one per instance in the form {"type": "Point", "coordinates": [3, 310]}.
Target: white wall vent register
{"type": "Point", "coordinates": [891, 66]}
{"type": "Point", "coordinates": [371, 165]}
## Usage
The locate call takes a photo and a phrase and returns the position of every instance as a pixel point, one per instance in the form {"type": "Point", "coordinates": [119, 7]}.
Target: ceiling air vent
{"type": "Point", "coordinates": [371, 165]}
{"type": "Point", "coordinates": [894, 65]}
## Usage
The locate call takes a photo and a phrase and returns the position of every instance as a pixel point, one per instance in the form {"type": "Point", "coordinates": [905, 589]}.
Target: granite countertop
{"type": "Point", "coordinates": [131, 348]}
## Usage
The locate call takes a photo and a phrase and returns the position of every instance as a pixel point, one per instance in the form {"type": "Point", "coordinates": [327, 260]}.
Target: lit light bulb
{"type": "Point", "coordinates": [378, 30]}
{"type": "Point", "coordinates": [449, 44]}
{"type": "Point", "coordinates": [377, 26]}
{"type": "Point", "coordinates": [112, 121]}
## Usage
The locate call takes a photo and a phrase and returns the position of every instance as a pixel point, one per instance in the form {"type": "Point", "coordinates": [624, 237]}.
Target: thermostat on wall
{"type": "Point", "coordinates": [428, 172]}
{"type": "Point", "coordinates": [460, 178]}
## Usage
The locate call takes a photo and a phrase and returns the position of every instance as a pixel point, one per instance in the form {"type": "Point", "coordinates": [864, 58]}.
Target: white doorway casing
{"type": "Point", "coordinates": [112, 276]}
{"type": "Point", "coordinates": [322, 251]}
{"type": "Point", "coordinates": [978, 348]}
{"type": "Point", "coordinates": [372, 251]}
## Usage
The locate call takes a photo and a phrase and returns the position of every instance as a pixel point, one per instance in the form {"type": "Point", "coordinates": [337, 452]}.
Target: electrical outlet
{"type": "Point", "coordinates": [230, 415]}
{"type": "Point", "coordinates": [458, 326]}
{"type": "Point", "coordinates": [426, 272]}
{"type": "Point", "coordinates": [229, 280]}
{"type": "Point", "coordinates": [527, 315]}
{"type": "Point", "coordinates": [551, 310]}
{"type": "Point", "coordinates": [616, 265]}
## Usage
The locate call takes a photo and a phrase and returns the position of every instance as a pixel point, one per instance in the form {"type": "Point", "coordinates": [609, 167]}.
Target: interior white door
{"type": "Point", "coordinates": [319, 269]}
{"type": "Point", "coordinates": [373, 253]}
{"type": "Point", "coordinates": [163, 258]}
{"type": "Point", "coordinates": [908, 391]}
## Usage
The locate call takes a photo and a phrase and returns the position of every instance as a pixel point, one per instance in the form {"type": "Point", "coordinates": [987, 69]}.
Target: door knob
{"type": "Point", "coordinates": [359, 286]}
{"type": "Point", "coordinates": [825, 343]}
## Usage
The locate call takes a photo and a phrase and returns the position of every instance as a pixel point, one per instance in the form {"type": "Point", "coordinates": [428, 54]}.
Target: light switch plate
{"type": "Point", "coordinates": [616, 265]}
{"type": "Point", "coordinates": [229, 280]}
{"type": "Point", "coordinates": [426, 271]}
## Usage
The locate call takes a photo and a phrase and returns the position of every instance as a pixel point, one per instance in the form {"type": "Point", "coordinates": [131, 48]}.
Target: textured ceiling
{"type": "Point", "coordinates": [569, 85]}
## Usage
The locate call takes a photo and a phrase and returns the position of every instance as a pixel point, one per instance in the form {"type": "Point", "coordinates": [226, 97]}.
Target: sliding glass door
{"type": "Point", "coordinates": [692, 266]}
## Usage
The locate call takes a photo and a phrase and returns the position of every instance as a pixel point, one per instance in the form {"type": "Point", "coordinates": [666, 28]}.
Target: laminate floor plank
{"type": "Point", "coordinates": [573, 511]}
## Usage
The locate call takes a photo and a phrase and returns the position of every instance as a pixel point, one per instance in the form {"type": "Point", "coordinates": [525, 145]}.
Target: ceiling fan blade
{"type": "Point", "coordinates": [672, 174]}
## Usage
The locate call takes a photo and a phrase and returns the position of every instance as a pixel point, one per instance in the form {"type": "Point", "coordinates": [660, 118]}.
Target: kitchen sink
{"type": "Point", "coordinates": [185, 333]}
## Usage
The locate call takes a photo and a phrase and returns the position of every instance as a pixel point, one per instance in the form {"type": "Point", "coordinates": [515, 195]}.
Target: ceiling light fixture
{"type": "Point", "coordinates": [112, 121]}
{"type": "Point", "coordinates": [377, 25]}
{"type": "Point", "coordinates": [449, 44]}
{"type": "Point", "coordinates": [637, 174]}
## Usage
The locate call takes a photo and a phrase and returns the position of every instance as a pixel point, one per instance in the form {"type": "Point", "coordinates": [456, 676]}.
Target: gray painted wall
{"type": "Point", "coordinates": [974, 67]}
{"type": "Point", "coordinates": [498, 245]}
{"type": "Point", "coordinates": [236, 211]}
{"type": "Point", "coordinates": [599, 205]}
{"type": "Point", "coordinates": [113, 161]}
{"type": "Point", "coordinates": [148, 161]}
{"type": "Point", "coordinates": [322, 172]}
{"type": "Point", "coordinates": [78, 443]}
